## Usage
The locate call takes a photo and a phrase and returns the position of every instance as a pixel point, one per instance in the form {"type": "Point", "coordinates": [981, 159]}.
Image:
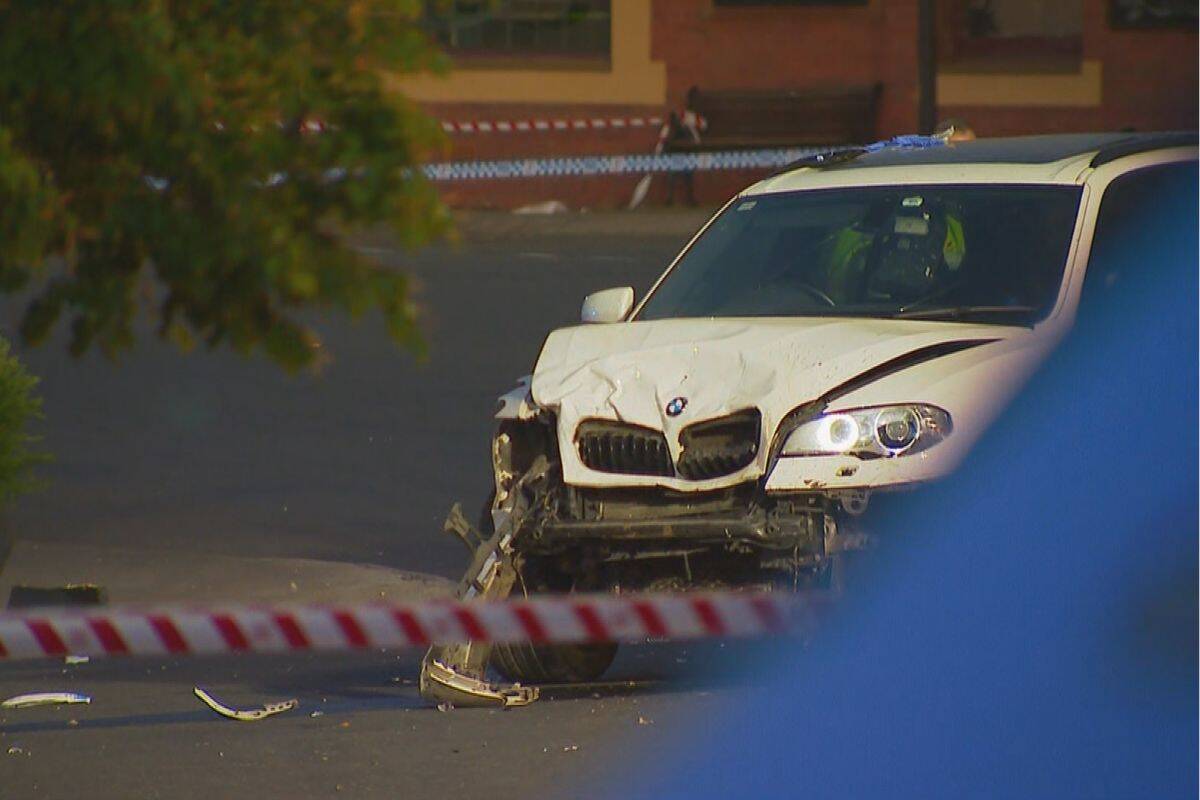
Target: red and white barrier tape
{"type": "Point", "coordinates": [313, 126]}
{"type": "Point", "coordinates": [548, 125]}
{"type": "Point", "coordinates": [251, 629]}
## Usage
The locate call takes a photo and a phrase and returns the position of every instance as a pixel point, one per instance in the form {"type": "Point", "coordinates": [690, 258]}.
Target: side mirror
{"type": "Point", "coordinates": [609, 305]}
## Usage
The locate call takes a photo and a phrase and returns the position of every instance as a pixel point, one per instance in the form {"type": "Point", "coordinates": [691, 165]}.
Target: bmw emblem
{"type": "Point", "coordinates": [676, 406]}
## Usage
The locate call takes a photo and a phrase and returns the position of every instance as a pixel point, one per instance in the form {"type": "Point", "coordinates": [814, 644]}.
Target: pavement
{"type": "Point", "coordinates": [205, 476]}
{"type": "Point", "coordinates": [143, 576]}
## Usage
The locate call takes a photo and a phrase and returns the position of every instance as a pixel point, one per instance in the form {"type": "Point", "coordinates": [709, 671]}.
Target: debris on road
{"type": "Point", "coordinates": [545, 207]}
{"type": "Point", "coordinates": [644, 720]}
{"type": "Point", "coordinates": [45, 699]}
{"type": "Point", "coordinates": [17, 751]}
{"type": "Point", "coordinates": [76, 659]}
{"type": "Point", "coordinates": [244, 715]}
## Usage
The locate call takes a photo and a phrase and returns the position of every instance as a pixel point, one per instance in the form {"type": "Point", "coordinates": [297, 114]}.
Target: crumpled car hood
{"type": "Point", "coordinates": [631, 371]}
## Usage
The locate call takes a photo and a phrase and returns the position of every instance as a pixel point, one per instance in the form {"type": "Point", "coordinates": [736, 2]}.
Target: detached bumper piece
{"type": "Point", "coordinates": [445, 685]}
{"type": "Point", "coordinates": [454, 674]}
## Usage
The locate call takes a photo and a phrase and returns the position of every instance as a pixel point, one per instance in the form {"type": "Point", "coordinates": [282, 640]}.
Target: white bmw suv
{"type": "Point", "coordinates": [841, 330]}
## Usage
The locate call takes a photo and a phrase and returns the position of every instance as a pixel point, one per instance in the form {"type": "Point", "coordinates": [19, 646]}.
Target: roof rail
{"type": "Point", "coordinates": [1143, 143]}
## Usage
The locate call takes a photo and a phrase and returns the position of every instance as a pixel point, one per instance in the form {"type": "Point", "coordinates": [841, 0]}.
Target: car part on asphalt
{"type": "Point", "coordinates": [456, 673]}
{"type": "Point", "coordinates": [45, 699]}
{"type": "Point", "coordinates": [244, 715]}
{"type": "Point", "coordinates": [453, 686]}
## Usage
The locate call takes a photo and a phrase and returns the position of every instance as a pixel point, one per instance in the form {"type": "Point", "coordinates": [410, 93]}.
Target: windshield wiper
{"type": "Point", "coordinates": [959, 312]}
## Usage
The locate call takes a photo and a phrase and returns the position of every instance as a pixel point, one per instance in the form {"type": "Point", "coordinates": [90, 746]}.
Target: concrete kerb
{"type": "Point", "coordinates": [151, 576]}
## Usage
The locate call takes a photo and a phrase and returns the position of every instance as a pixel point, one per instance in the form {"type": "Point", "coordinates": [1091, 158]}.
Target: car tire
{"type": "Point", "coordinates": [528, 663]}
{"type": "Point", "coordinates": [561, 663]}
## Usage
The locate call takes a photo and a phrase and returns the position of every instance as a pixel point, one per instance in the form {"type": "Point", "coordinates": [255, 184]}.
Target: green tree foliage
{"type": "Point", "coordinates": [18, 407]}
{"type": "Point", "coordinates": [138, 141]}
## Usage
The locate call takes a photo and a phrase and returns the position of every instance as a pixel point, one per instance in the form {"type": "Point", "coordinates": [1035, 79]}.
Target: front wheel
{"type": "Point", "coordinates": [528, 663]}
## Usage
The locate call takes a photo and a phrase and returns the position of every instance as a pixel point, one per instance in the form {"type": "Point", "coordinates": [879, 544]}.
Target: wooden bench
{"type": "Point", "coordinates": [742, 119]}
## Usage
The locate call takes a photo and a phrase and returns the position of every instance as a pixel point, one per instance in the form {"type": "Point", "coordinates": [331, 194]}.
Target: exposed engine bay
{"type": "Point", "coordinates": [636, 539]}
{"type": "Point", "coordinates": [539, 535]}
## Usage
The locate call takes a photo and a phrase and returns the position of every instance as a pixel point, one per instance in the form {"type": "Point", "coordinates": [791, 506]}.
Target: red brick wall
{"type": "Point", "coordinates": [1148, 82]}
{"type": "Point", "coordinates": [587, 192]}
{"type": "Point", "coordinates": [781, 47]}
{"type": "Point", "coordinates": [1149, 75]}
{"type": "Point", "coordinates": [713, 48]}
{"type": "Point", "coordinates": [470, 146]}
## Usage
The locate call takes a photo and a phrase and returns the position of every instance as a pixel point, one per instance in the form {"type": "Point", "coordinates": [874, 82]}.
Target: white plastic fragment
{"type": "Point", "coordinates": [45, 699]}
{"type": "Point", "coordinates": [244, 715]}
{"type": "Point", "coordinates": [546, 207]}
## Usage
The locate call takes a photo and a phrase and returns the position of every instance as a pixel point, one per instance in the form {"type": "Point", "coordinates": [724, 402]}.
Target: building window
{"type": "Point", "coordinates": [1153, 13]}
{"type": "Point", "coordinates": [556, 28]}
{"type": "Point", "coordinates": [1040, 36]}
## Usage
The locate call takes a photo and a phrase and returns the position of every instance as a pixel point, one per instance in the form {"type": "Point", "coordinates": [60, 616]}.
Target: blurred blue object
{"type": "Point", "coordinates": [1029, 629]}
{"type": "Point", "coordinates": [908, 140]}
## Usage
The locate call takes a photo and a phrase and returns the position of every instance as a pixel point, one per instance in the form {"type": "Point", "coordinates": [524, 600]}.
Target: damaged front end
{"type": "Point", "coordinates": [455, 673]}
{"type": "Point", "coordinates": [641, 538]}
{"type": "Point", "coordinates": [542, 536]}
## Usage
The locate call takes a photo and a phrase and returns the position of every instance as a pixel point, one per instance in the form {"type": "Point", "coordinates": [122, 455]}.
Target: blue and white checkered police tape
{"type": "Point", "coordinates": [667, 162]}
{"type": "Point", "coordinates": [622, 165]}
{"type": "Point", "coordinates": [616, 165]}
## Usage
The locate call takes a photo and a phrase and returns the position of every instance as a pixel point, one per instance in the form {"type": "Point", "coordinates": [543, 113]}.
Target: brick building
{"type": "Point", "coordinates": [1005, 66]}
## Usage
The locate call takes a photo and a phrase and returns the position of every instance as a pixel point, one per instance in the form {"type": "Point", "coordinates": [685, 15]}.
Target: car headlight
{"type": "Point", "coordinates": [880, 432]}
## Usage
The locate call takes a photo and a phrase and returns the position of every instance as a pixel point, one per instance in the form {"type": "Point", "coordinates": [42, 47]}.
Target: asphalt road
{"type": "Point", "coordinates": [209, 459]}
{"type": "Point", "coordinates": [226, 455]}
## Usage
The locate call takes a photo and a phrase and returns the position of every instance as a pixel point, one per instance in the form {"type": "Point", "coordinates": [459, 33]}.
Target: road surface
{"type": "Point", "coordinates": [211, 476]}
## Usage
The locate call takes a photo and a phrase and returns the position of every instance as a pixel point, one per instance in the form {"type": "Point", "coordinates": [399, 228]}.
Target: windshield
{"type": "Point", "coordinates": [992, 254]}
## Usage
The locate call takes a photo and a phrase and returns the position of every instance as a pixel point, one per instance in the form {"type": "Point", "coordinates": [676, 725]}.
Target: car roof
{"type": "Point", "coordinates": [1057, 158]}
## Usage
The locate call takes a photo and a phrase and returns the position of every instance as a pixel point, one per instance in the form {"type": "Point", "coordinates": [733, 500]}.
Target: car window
{"type": "Point", "coordinates": [953, 252]}
{"type": "Point", "coordinates": [1131, 224]}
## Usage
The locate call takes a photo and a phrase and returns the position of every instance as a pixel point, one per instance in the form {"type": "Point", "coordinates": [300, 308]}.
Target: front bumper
{"type": "Point", "coordinates": [841, 473]}
{"type": "Point", "coordinates": [650, 521]}
{"type": "Point", "coordinates": [756, 527]}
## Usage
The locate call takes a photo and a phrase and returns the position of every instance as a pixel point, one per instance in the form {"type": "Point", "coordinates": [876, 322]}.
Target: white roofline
{"type": "Point", "coordinates": [1067, 171]}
